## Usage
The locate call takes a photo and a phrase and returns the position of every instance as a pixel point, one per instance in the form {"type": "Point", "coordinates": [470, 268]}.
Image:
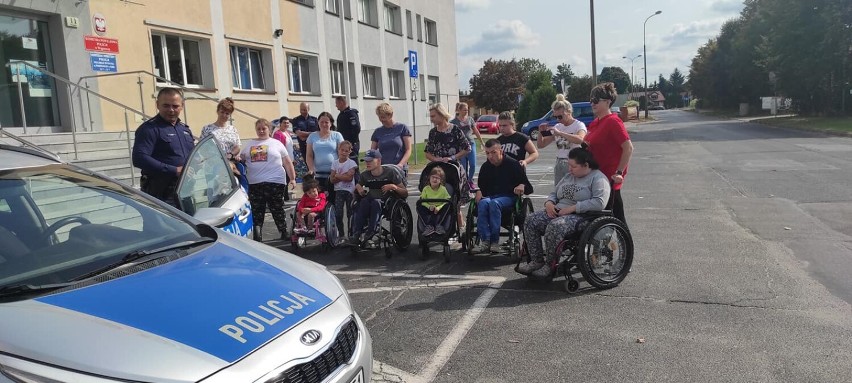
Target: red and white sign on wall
{"type": "Point", "coordinates": [99, 22]}
{"type": "Point", "coordinates": [101, 44]}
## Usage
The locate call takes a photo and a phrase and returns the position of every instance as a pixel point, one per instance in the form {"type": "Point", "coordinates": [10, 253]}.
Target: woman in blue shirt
{"type": "Point", "coordinates": [322, 150]}
{"type": "Point", "coordinates": [392, 139]}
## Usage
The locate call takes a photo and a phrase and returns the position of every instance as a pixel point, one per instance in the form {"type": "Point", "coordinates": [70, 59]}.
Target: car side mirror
{"type": "Point", "coordinates": [214, 216]}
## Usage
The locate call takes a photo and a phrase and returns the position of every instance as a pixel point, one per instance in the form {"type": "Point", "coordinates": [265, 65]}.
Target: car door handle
{"type": "Point", "coordinates": [244, 213]}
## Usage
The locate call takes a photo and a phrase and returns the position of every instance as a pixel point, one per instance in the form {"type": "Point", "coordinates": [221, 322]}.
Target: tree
{"type": "Point", "coordinates": [563, 73]}
{"type": "Point", "coordinates": [538, 96]}
{"type": "Point", "coordinates": [497, 85]}
{"type": "Point", "coordinates": [530, 66]}
{"type": "Point", "coordinates": [617, 76]}
{"type": "Point", "coordinates": [581, 88]}
{"type": "Point", "coordinates": [675, 88]}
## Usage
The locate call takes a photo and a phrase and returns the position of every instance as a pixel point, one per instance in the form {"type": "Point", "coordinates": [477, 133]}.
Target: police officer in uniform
{"type": "Point", "coordinates": [349, 125]}
{"type": "Point", "coordinates": [162, 147]}
{"type": "Point", "coordinates": [303, 125]}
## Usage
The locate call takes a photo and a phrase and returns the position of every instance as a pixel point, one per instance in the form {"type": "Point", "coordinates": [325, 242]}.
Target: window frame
{"type": "Point", "coordinates": [431, 31]}
{"type": "Point", "coordinates": [367, 13]}
{"type": "Point", "coordinates": [164, 54]}
{"type": "Point", "coordinates": [336, 79]}
{"type": "Point", "coordinates": [236, 79]}
{"type": "Point", "coordinates": [393, 18]}
{"type": "Point", "coordinates": [304, 65]}
{"type": "Point", "coordinates": [396, 89]}
{"type": "Point", "coordinates": [371, 79]}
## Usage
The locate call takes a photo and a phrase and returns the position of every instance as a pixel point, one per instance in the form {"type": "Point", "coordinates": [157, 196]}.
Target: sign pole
{"type": "Point", "coordinates": [412, 73]}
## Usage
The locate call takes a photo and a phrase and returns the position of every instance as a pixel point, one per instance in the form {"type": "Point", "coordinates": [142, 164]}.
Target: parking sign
{"type": "Point", "coordinates": [412, 64]}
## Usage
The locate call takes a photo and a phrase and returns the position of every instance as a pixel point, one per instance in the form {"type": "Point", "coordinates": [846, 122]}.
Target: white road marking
{"type": "Point", "coordinates": [448, 346]}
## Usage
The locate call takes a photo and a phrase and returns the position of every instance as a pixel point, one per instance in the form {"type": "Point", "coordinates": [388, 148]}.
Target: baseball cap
{"type": "Point", "coordinates": [372, 154]}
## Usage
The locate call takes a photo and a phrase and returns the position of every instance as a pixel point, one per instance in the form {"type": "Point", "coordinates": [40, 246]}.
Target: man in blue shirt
{"type": "Point", "coordinates": [303, 126]}
{"type": "Point", "coordinates": [162, 147]}
{"type": "Point", "coordinates": [501, 179]}
{"type": "Point", "coordinates": [349, 125]}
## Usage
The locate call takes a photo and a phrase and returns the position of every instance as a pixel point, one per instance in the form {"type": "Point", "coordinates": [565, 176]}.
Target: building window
{"type": "Point", "coordinates": [395, 78]}
{"type": "Point", "coordinates": [177, 59]}
{"type": "Point", "coordinates": [372, 81]}
{"type": "Point", "coordinates": [393, 19]}
{"type": "Point", "coordinates": [247, 68]}
{"type": "Point", "coordinates": [301, 74]}
{"type": "Point", "coordinates": [309, 3]}
{"type": "Point", "coordinates": [367, 12]}
{"type": "Point", "coordinates": [332, 6]}
{"type": "Point", "coordinates": [419, 29]}
{"type": "Point", "coordinates": [431, 32]}
{"type": "Point", "coordinates": [408, 25]}
{"type": "Point", "coordinates": [337, 78]}
{"type": "Point", "coordinates": [434, 90]}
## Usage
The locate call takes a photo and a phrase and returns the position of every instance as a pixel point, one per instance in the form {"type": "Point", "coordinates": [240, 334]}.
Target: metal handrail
{"type": "Point", "coordinates": [164, 80]}
{"type": "Point", "coordinates": [73, 121]}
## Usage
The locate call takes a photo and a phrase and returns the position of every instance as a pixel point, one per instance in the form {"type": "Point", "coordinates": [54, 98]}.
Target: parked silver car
{"type": "Point", "coordinates": [101, 283]}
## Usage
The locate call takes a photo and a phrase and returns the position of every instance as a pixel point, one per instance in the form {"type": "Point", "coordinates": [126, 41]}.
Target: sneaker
{"type": "Point", "coordinates": [484, 248]}
{"type": "Point", "coordinates": [542, 272]}
{"type": "Point", "coordinates": [440, 230]}
{"type": "Point", "coordinates": [428, 230]}
{"type": "Point", "coordinates": [526, 268]}
{"type": "Point", "coordinates": [494, 247]}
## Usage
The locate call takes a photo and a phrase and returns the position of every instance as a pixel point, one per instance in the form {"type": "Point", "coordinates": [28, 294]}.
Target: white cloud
{"type": "Point", "coordinates": [471, 5]}
{"type": "Point", "coordinates": [504, 36]}
{"type": "Point", "coordinates": [727, 6]}
{"type": "Point", "coordinates": [693, 34]}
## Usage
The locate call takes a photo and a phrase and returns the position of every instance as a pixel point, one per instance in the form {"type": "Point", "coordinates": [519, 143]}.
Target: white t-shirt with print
{"type": "Point", "coordinates": [342, 168]}
{"type": "Point", "coordinates": [265, 161]}
{"type": "Point", "coordinates": [563, 146]}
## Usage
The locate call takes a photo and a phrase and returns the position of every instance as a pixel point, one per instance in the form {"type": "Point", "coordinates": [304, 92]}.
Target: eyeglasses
{"type": "Point", "coordinates": [558, 117]}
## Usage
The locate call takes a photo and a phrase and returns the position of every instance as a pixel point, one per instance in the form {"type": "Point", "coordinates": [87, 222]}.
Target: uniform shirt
{"type": "Point", "coordinates": [305, 124]}
{"type": "Point", "coordinates": [349, 125]}
{"type": "Point", "coordinates": [514, 146]}
{"type": "Point", "coordinates": [501, 180]}
{"type": "Point", "coordinates": [606, 134]}
{"type": "Point", "coordinates": [391, 142]}
{"type": "Point", "coordinates": [390, 175]}
{"type": "Point", "coordinates": [161, 147]}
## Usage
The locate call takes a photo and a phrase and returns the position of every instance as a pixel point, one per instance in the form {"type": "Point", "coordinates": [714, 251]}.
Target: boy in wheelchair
{"type": "Point", "coordinates": [375, 186]}
{"type": "Point", "coordinates": [584, 189]}
{"type": "Point", "coordinates": [501, 180]}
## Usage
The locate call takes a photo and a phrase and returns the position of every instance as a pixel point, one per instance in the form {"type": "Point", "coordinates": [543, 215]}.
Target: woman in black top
{"type": "Point", "coordinates": [514, 144]}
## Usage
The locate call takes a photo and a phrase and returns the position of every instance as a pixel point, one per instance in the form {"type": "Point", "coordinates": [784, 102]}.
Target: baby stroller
{"type": "Point", "coordinates": [457, 187]}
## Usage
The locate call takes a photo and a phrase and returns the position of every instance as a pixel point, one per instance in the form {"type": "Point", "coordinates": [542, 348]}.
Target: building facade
{"type": "Point", "coordinates": [268, 55]}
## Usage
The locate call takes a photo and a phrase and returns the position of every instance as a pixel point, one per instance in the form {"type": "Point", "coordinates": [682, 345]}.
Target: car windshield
{"type": "Point", "coordinates": [487, 118]}
{"type": "Point", "coordinates": [58, 223]}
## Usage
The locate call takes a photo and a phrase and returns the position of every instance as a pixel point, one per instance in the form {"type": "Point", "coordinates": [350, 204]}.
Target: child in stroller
{"type": "Point", "coordinates": [438, 225]}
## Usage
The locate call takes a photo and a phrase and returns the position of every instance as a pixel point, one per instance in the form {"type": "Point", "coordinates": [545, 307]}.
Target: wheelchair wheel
{"type": "Point", "coordinates": [330, 221]}
{"type": "Point", "coordinates": [446, 253]}
{"type": "Point", "coordinates": [424, 251]}
{"type": "Point", "coordinates": [402, 225]}
{"type": "Point", "coordinates": [470, 237]}
{"type": "Point", "coordinates": [605, 252]}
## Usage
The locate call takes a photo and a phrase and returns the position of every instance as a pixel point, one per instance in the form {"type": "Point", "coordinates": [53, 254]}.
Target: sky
{"type": "Point", "coordinates": [559, 31]}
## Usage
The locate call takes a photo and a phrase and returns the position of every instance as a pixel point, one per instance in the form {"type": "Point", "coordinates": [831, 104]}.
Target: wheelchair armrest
{"type": "Point", "coordinates": [595, 214]}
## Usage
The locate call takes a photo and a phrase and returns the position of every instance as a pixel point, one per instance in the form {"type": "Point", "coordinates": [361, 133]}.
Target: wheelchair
{"type": "Point", "coordinates": [396, 224]}
{"type": "Point", "coordinates": [323, 230]}
{"type": "Point", "coordinates": [508, 222]}
{"type": "Point", "coordinates": [602, 251]}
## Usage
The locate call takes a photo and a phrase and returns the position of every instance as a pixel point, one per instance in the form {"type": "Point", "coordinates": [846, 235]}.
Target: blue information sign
{"type": "Point", "coordinates": [412, 64]}
{"type": "Point", "coordinates": [103, 63]}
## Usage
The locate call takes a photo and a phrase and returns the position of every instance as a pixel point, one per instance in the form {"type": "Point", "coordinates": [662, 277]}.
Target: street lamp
{"type": "Point", "coordinates": [645, 53]}
{"type": "Point", "coordinates": [632, 75]}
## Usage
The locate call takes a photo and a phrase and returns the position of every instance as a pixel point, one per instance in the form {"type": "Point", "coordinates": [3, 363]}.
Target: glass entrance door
{"type": "Point", "coordinates": [27, 40]}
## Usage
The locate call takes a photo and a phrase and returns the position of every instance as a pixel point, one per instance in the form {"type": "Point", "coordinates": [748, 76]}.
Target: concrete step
{"type": "Point", "coordinates": [107, 162]}
{"type": "Point", "coordinates": [60, 138]}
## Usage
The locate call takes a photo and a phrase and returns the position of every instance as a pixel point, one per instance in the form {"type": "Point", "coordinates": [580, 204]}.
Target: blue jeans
{"type": "Point", "coordinates": [368, 209]}
{"type": "Point", "coordinates": [468, 163]}
{"type": "Point", "coordinates": [489, 213]}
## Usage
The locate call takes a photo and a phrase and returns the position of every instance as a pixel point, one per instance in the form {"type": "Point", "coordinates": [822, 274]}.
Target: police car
{"type": "Point", "coordinates": [101, 283]}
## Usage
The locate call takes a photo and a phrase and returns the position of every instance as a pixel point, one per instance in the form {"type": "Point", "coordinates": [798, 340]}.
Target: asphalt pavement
{"type": "Point", "coordinates": [743, 251]}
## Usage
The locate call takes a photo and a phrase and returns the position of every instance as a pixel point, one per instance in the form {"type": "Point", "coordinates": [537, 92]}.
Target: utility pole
{"type": "Point", "coordinates": [594, 57]}
{"type": "Point", "coordinates": [645, 54]}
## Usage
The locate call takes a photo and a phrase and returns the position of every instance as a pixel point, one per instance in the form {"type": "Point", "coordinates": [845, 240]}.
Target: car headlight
{"type": "Point", "coordinates": [22, 371]}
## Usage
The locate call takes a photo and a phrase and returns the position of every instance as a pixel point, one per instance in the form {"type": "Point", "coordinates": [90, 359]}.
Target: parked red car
{"type": "Point", "coordinates": [487, 124]}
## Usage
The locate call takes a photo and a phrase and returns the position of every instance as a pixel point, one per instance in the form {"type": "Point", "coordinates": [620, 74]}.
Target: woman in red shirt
{"type": "Point", "coordinates": [609, 143]}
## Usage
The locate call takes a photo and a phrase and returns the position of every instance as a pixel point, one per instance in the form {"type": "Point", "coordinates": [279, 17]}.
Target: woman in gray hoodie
{"type": "Point", "coordinates": [582, 190]}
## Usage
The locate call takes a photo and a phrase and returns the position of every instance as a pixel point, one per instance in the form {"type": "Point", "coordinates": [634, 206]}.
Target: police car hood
{"type": "Point", "coordinates": [180, 321]}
